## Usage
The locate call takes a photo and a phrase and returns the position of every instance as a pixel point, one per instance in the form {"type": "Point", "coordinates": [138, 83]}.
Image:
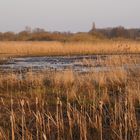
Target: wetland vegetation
{"type": "Point", "coordinates": [68, 104]}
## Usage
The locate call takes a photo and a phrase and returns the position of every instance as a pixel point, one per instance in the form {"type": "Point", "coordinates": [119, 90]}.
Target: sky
{"type": "Point", "coordinates": [68, 15]}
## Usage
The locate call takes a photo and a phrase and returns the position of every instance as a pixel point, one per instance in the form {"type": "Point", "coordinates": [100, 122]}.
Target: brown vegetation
{"type": "Point", "coordinates": [73, 48]}
{"type": "Point", "coordinates": [94, 34]}
{"type": "Point", "coordinates": [68, 105]}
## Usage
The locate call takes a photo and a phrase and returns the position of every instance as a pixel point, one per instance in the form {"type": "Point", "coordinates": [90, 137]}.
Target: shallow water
{"type": "Point", "coordinates": [60, 63]}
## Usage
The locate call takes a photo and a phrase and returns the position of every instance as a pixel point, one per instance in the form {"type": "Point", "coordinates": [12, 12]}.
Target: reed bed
{"type": "Point", "coordinates": [69, 105]}
{"type": "Point", "coordinates": [111, 61]}
{"type": "Point", "coordinates": [50, 105]}
{"type": "Point", "coordinates": [71, 48]}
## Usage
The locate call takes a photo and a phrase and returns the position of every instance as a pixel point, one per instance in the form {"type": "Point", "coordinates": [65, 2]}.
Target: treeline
{"type": "Point", "coordinates": [94, 34]}
{"type": "Point", "coordinates": [49, 36]}
{"type": "Point", "coordinates": [118, 32]}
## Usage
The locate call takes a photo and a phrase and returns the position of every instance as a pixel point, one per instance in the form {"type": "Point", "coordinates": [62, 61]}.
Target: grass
{"type": "Point", "coordinates": [103, 105]}
{"type": "Point", "coordinates": [75, 48]}
{"type": "Point", "coordinates": [68, 105]}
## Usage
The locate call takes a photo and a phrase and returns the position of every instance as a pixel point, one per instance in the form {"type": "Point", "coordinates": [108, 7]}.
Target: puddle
{"type": "Point", "coordinates": [59, 63]}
